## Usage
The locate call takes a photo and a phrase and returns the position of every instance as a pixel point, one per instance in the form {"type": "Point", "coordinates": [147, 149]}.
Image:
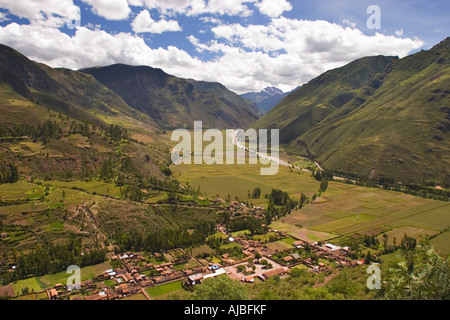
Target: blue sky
{"type": "Point", "coordinates": [245, 44]}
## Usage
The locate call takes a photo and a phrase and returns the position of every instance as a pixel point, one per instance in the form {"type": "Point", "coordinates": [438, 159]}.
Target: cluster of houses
{"type": "Point", "coordinates": [213, 271]}
{"type": "Point", "coordinates": [129, 279]}
{"type": "Point", "coordinates": [137, 273]}
{"type": "Point", "coordinates": [134, 265]}
{"type": "Point", "coordinates": [327, 251]}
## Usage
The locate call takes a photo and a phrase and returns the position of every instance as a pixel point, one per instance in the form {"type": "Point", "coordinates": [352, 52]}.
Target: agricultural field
{"type": "Point", "coordinates": [237, 180]}
{"type": "Point", "coordinates": [358, 210]}
{"type": "Point", "coordinates": [92, 187]}
{"type": "Point", "coordinates": [36, 284]}
{"type": "Point", "coordinates": [20, 190]}
{"type": "Point", "coordinates": [441, 243]}
{"type": "Point", "coordinates": [279, 246]}
{"type": "Point", "coordinates": [343, 210]}
{"type": "Point", "coordinates": [160, 291]}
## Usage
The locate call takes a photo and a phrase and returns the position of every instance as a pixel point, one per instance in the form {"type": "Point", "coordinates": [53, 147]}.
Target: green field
{"type": "Point", "coordinates": [400, 232]}
{"type": "Point", "coordinates": [164, 289]}
{"type": "Point", "coordinates": [346, 209]}
{"type": "Point", "coordinates": [279, 245]}
{"type": "Point", "coordinates": [45, 282]}
{"type": "Point", "coordinates": [20, 190]}
{"type": "Point", "coordinates": [442, 243]}
{"type": "Point", "coordinates": [93, 187]}
{"type": "Point", "coordinates": [237, 180]}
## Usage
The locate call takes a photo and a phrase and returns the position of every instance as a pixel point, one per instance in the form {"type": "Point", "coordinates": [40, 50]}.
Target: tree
{"type": "Point", "coordinates": [220, 288]}
{"type": "Point", "coordinates": [323, 185]}
{"type": "Point", "coordinates": [8, 173]}
{"type": "Point", "coordinates": [240, 268]}
{"type": "Point", "coordinates": [132, 192]}
{"type": "Point", "coordinates": [420, 275]}
{"type": "Point", "coordinates": [408, 243]}
{"type": "Point", "coordinates": [368, 258]}
{"type": "Point", "coordinates": [256, 193]}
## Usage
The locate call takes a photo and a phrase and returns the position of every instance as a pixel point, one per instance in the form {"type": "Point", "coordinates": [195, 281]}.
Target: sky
{"type": "Point", "coordinates": [247, 45]}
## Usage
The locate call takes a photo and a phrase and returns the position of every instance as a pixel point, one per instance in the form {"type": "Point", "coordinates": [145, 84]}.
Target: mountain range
{"type": "Point", "coordinates": [266, 99]}
{"type": "Point", "coordinates": [175, 102]}
{"type": "Point", "coordinates": [375, 117]}
{"type": "Point", "coordinates": [77, 114]}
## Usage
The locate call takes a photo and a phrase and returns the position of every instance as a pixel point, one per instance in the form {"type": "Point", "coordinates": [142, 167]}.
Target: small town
{"type": "Point", "coordinates": [136, 271]}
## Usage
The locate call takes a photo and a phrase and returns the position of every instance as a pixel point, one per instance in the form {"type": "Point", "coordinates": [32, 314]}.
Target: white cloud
{"type": "Point", "coordinates": [110, 9]}
{"type": "Point", "coordinates": [285, 53]}
{"type": "Point", "coordinates": [136, 3]}
{"type": "Point", "coordinates": [144, 23]}
{"type": "Point", "coordinates": [198, 7]}
{"type": "Point", "coordinates": [349, 23]}
{"type": "Point", "coordinates": [57, 49]}
{"type": "Point", "coordinates": [228, 7]}
{"type": "Point", "coordinates": [210, 20]}
{"type": "Point", "coordinates": [273, 8]}
{"type": "Point", "coordinates": [50, 12]}
{"type": "Point", "coordinates": [174, 7]}
{"type": "Point", "coordinates": [399, 33]}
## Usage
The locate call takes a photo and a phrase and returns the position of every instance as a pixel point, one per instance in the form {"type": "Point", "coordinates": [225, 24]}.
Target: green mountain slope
{"type": "Point", "coordinates": [175, 102]}
{"type": "Point", "coordinates": [397, 125]}
{"type": "Point", "coordinates": [321, 97]}
{"type": "Point", "coordinates": [55, 123]}
{"type": "Point", "coordinates": [69, 92]}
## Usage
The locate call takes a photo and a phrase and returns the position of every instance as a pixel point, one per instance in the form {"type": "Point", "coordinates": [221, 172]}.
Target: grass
{"type": "Point", "coordinates": [400, 232]}
{"type": "Point", "coordinates": [288, 241]}
{"type": "Point", "coordinates": [237, 180]}
{"type": "Point", "coordinates": [279, 245]}
{"type": "Point", "coordinates": [20, 190]}
{"type": "Point", "coordinates": [188, 265]}
{"type": "Point", "coordinates": [335, 225]}
{"type": "Point", "coordinates": [264, 237]}
{"type": "Point", "coordinates": [348, 209]}
{"type": "Point", "coordinates": [240, 233]}
{"type": "Point", "coordinates": [161, 290]}
{"type": "Point", "coordinates": [442, 243]}
{"type": "Point", "coordinates": [340, 214]}
{"type": "Point", "coordinates": [57, 225]}
{"type": "Point", "coordinates": [200, 250]}
{"type": "Point", "coordinates": [48, 281]}
{"type": "Point", "coordinates": [94, 186]}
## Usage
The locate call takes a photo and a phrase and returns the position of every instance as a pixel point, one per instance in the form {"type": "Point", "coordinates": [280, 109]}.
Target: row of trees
{"type": "Point", "coordinates": [48, 259]}
{"type": "Point", "coordinates": [117, 133]}
{"type": "Point", "coordinates": [45, 132]}
{"type": "Point", "coordinates": [425, 190]}
{"type": "Point", "coordinates": [160, 240]}
{"type": "Point", "coordinates": [246, 223]}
